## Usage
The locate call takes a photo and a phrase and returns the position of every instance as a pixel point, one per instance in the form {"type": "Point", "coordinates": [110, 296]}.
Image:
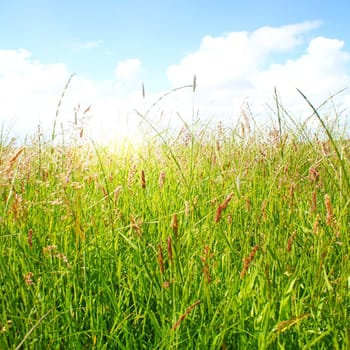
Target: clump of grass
{"type": "Point", "coordinates": [233, 239]}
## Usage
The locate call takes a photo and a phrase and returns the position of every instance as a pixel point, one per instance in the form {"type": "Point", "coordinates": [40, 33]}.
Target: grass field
{"type": "Point", "coordinates": [215, 239]}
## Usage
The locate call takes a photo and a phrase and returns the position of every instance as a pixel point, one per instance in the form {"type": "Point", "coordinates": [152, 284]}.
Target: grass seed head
{"type": "Point", "coordinates": [50, 248]}
{"type": "Point", "coordinates": [15, 157]}
{"type": "Point", "coordinates": [116, 193]}
{"type": "Point", "coordinates": [174, 224]}
{"type": "Point", "coordinates": [28, 278]}
{"type": "Point", "coordinates": [205, 258]}
{"type": "Point", "coordinates": [329, 210]}
{"type": "Point", "coordinates": [170, 249]}
{"type": "Point", "coordinates": [248, 204]}
{"type": "Point", "coordinates": [30, 238]}
{"type": "Point", "coordinates": [248, 260]}
{"type": "Point", "coordinates": [184, 315]}
{"type": "Point", "coordinates": [166, 284]}
{"type": "Point", "coordinates": [316, 224]}
{"type": "Point", "coordinates": [187, 208]}
{"type": "Point", "coordinates": [63, 257]}
{"type": "Point", "coordinates": [222, 206]}
{"type": "Point", "coordinates": [135, 225]}
{"type": "Point", "coordinates": [313, 175]}
{"type": "Point", "coordinates": [313, 203]}
{"type": "Point", "coordinates": [291, 240]}
{"type": "Point", "coordinates": [131, 176]}
{"type": "Point", "coordinates": [161, 179]}
{"type": "Point", "coordinates": [218, 213]}
{"type": "Point", "coordinates": [291, 193]}
{"type": "Point", "coordinates": [143, 179]}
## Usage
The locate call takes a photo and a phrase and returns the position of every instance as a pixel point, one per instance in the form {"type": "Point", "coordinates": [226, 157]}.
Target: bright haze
{"type": "Point", "coordinates": [239, 51]}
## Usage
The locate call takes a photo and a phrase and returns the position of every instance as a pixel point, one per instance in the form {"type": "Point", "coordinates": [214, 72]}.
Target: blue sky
{"type": "Point", "coordinates": [91, 38]}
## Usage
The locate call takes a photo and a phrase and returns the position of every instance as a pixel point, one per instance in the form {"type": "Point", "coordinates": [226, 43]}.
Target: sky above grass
{"type": "Point", "coordinates": [239, 51]}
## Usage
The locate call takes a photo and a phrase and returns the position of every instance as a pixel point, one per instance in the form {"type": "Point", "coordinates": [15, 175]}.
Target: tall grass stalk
{"type": "Point", "coordinates": [53, 134]}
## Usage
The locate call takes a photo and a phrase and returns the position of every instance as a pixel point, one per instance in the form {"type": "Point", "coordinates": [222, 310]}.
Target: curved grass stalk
{"type": "Point", "coordinates": [331, 138]}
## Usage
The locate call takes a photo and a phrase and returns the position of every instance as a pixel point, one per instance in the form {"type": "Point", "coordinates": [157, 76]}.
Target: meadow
{"type": "Point", "coordinates": [215, 238]}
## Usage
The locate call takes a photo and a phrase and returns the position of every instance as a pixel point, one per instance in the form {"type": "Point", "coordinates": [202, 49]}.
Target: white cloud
{"type": "Point", "coordinates": [236, 56]}
{"type": "Point", "coordinates": [230, 69]}
{"type": "Point", "coordinates": [127, 69]}
{"type": "Point", "coordinates": [241, 65]}
{"type": "Point", "coordinates": [321, 70]}
{"type": "Point", "coordinates": [30, 91]}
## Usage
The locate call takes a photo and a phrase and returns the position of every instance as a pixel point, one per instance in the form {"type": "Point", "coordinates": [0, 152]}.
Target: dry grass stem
{"type": "Point", "coordinates": [15, 157]}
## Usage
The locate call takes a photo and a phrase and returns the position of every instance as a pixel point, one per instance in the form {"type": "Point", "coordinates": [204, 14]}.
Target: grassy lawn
{"type": "Point", "coordinates": [215, 239]}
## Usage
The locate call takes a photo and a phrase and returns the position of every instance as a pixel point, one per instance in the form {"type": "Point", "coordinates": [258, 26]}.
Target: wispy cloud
{"type": "Point", "coordinates": [91, 44]}
{"type": "Point", "coordinates": [84, 45]}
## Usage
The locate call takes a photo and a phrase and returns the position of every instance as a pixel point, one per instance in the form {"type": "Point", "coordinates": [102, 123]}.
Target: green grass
{"type": "Point", "coordinates": [228, 242]}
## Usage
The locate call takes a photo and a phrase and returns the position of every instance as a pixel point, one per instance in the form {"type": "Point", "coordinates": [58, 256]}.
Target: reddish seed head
{"type": "Point", "coordinates": [143, 179]}
{"type": "Point", "coordinates": [170, 249]}
{"type": "Point", "coordinates": [291, 240]}
{"type": "Point", "coordinates": [30, 238]}
{"type": "Point", "coordinates": [316, 224]}
{"type": "Point", "coordinates": [218, 214]}
{"type": "Point", "coordinates": [174, 224]}
{"type": "Point", "coordinates": [247, 261]}
{"type": "Point", "coordinates": [313, 202]}
{"type": "Point", "coordinates": [205, 260]}
{"type": "Point", "coordinates": [313, 174]}
{"type": "Point", "coordinates": [248, 204]}
{"type": "Point", "coordinates": [28, 278]}
{"type": "Point", "coordinates": [221, 207]}
{"type": "Point", "coordinates": [329, 216]}
{"type": "Point", "coordinates": [183, 316]}
{"type": "Point", "coordinates": [136, 225]}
